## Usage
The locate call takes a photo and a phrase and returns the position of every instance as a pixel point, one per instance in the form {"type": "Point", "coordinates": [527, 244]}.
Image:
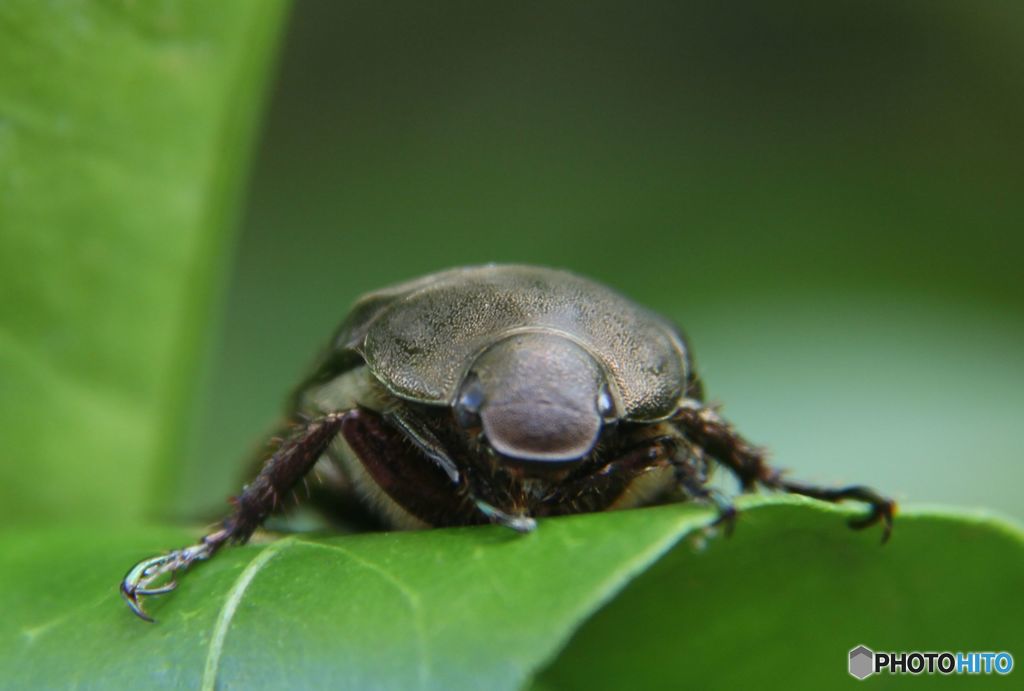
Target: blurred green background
{"type": "Point", "coordinates": [826, 196]}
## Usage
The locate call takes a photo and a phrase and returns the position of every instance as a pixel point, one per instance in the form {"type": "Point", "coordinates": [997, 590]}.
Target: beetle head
{"type": "Point", "coordinates": [537, 397]}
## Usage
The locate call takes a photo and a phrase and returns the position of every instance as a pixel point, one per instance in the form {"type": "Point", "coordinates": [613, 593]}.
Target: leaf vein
{"type": "Point", "coordinates": [227, 611]}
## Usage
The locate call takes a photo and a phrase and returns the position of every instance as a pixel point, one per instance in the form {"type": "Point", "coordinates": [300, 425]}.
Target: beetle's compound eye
{"type": "Point", "coordinates": [467, 406]}
{"type": "Point", "coordinates": [541, 397]}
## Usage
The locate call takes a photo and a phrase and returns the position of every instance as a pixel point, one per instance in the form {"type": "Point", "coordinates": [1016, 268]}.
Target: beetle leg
{"type": "Point", "coordinates": [727, 512]}
{"type": "Point", "coordinates": [706, 428]}
{"type": "Point", "coordinates": [883, 509]}
{"type": "Point", "coordinates": [286, 467]}
{"type": "Point", "coordinates": [409, 489]}
{"type": "Point", "coordinates": [391, 451]}
{"type": "Point", "coordinates": [139, 580]}
{"type": "Point", "coordinates": [426, 442]}
{"type": "Point", "coordinates": [690, 468]}
{"type": "Point", "coordinates": [520, 524]}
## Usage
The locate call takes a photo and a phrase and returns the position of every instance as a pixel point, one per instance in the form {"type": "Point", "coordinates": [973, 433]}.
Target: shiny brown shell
{"type": "Point", "coordinates": [420, 338]}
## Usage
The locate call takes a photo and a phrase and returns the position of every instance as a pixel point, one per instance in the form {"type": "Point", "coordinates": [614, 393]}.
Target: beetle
{"type": "Point", "coordinates": [498, 394]}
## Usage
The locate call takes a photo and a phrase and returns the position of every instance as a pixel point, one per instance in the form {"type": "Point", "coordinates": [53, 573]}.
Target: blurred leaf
{"type": "Point", "coordinates": [784, 599]}
{"type": "Point", "coordinates": [124, 133]}
{"type": "Point", "coordinates": [781, 604]}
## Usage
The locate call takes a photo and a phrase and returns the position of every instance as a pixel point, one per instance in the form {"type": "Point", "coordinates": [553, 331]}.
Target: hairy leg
{"type": "Point", "coordinates": [653, 467]}
{"type": "Point", "coordinates": [691, 471]}
{"type": "Point", "coordinates": [283, 470]}
{"type": "Point", "coordinates": [707, 429]}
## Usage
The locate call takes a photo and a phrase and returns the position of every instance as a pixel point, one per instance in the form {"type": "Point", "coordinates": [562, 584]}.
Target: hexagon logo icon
{"type": "Point", "coordinates": [862, 662]}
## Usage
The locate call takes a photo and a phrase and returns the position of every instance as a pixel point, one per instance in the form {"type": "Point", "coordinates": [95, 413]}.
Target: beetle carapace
{"type": "Point", "coordinates": [497, 394]}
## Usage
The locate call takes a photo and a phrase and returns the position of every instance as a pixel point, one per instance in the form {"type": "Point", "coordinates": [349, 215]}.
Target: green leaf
{"type": "Point", "coordinates": [124, 133]}
{"type": "Point", "coordinates": [638, 596]}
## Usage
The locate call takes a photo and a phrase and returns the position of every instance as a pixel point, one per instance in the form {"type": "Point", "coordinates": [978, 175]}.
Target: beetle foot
{"type": "Point", "coordinates": [883, 509]}
{"type": "Point", "coordinates": [693, 484]}
{"type": "Point", "coordinates": [141, 579]}
{"type": "Point", "coordinates": [520, 524]}
{"type": "Point", "coordinates": [727, 513]}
